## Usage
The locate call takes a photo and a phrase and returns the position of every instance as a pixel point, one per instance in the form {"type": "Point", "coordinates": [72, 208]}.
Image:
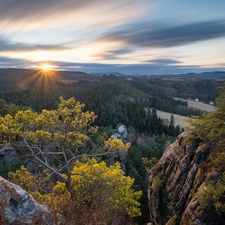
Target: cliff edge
{"type": "Point", "coordinates": [174, 184]}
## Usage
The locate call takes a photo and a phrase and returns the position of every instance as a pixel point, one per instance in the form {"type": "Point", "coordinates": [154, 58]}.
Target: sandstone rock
{"type": "Point", "coordinates": [18, 207]}
{"type": "Point", "coordinates": [174, 183]}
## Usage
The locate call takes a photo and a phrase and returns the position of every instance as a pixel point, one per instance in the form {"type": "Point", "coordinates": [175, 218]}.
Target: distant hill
{"type": "Point", "coordinates": [209, 75]}
{"type": "Point", "coordinates": [14, 78]}
{"type": "Point", "coordinates": [108, 74]}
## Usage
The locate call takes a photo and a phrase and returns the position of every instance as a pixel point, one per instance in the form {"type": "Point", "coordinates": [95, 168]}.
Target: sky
{"type": "Point", "coordinates": [133, 37]}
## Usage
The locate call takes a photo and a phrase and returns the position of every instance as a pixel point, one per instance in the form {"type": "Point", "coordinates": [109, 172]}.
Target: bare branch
{"type": "Point", "coordinates": [43, 163]}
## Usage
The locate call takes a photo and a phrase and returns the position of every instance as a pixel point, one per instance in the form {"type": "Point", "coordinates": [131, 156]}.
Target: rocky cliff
{"type": "Point", "coordinates": [175, 181]}
{"type": "Point", "coordinates": [18, 207]}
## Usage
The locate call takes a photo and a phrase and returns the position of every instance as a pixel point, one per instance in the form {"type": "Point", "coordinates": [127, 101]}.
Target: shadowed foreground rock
{"type": "Point", "coordinates": [18, 207]}
{"type": "Point", "coordinates": [174, 183]}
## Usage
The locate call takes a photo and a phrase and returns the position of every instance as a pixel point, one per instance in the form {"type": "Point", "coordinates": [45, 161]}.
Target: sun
{"type": "Point", "coordinates": [46, 67]}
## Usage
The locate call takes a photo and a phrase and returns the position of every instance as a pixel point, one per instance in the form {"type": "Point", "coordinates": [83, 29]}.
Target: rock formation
{"type": "Point", "coordinates": [121, 134]}
{"type": "Point", "coordinates": [174, 183]}
{"type": "Point", "coordinates": [18, 207]}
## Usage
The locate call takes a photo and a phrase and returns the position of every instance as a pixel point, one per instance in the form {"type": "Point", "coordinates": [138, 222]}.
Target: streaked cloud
{"type": "Point", "coordinates": [113, 54]}
{"type": "Point", "coordinates": [165, 61]}
{"type": "Point", "coordinates": [134, 69]}
{"type": "Point", "coordinates": [7, 62]}
{"type": "Point", "coordinates": [8, 46]}
{"type": "Point", "coordinates": [66, 14]}
{"type": "Point", "coordinates": [166, 35]}
{"type": "Point", "coordinates": [14, 10]}
{"type": "Point", "coordinates": [127, 36]}
{"type": "Point", "coordinates": [155, 67]}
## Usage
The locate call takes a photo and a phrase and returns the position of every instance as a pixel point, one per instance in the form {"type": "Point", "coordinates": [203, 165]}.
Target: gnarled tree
{"type": "Point", "coordinates": [53, 137]}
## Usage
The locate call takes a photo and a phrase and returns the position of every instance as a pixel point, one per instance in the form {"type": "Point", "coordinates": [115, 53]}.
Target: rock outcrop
{"type": "Point", "coordinates": [174, 183]}
{"type": "Point", "coordinates": [18, 207]}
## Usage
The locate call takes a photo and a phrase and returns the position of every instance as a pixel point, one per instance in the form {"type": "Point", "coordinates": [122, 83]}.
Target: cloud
{"type": "Point", "coordinates": [7, 62]}
{"type": "Point", "coordinates": [164, 61]}
{"type": "Point", "coordinates": [166, 35]}
{"type": "Point", "coordinates": [15, 10]}
{"type": "Point", "coordinates": [7, 46]}
{"type": "Point", "coordinates": [129, 69]}
{"type": "Point", "coordinates": [28, 14]}
{"type": "Point", "coordinates": [113, 54]}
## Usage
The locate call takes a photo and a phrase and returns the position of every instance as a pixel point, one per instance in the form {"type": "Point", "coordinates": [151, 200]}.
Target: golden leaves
{"type": "Point", "coordinates": [117, 144]}
{"type": "Point", "coordinates": [67, 124]}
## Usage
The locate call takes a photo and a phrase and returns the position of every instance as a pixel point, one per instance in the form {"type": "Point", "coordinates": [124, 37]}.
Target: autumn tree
{"type": "Point", "coordinates": [209, 126]}
{"type": "Point", "coordinates": [104, 193]}
{"type": "Point", "coordinates": [54, 138]}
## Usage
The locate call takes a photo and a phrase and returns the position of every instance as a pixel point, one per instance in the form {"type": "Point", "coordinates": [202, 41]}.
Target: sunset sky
{"type": "Point", "coordinates": [126, 36]}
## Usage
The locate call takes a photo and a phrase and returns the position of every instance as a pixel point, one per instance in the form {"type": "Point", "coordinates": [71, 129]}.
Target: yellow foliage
{"type": "Point", "coordinates": [105, 186]}
{"type": "Point", "coordinates": [209, 126]}
{"type": "Point", "coordinates": [31, 183]}
{"type": "Point", "coordinates": [95, 184]}
{"type": "Point", "coordinates": [68, 124]}
{"type": "Point", "coordinates": [117, 144]}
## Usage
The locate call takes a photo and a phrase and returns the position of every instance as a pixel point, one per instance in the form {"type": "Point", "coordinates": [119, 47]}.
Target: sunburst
{"type": "Point", "coordinates": [44, 77]}
{"type": "Point", "coordinates": [46, 67]}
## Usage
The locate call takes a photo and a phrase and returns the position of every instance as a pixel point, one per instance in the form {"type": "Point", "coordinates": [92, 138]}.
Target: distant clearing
{"type": "Point", "coordinates": [178, 120]}
{"type": "Point", "coordinates": [199, 105]}
{"type": "Point", "coordinates": [181, 120]}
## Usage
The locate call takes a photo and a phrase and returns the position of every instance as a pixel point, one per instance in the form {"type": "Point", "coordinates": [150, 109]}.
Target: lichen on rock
{"type": "Point", "coordinates": [19, 207]}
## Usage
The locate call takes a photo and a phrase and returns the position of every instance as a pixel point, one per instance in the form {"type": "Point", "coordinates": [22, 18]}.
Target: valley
{"type": "Point", "coordinates": [153, 109]}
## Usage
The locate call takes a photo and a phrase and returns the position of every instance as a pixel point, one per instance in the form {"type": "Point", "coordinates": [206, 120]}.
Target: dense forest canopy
{"type": "Point", "coordinates": [74, 116]}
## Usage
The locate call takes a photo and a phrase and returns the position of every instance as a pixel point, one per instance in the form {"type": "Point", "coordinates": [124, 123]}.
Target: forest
{"type": "Point", "coordinates": [73, 122]}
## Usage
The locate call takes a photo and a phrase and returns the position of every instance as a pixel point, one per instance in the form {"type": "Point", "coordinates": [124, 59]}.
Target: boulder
{"type": "Point", "coordinates": [19, 207]}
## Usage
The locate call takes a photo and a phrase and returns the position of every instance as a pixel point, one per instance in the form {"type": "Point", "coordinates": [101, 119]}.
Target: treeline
{"type": "Point", "coordinates": [204, 89]}
{"type": "Point", "coordinates": [113, 102]}
{"type": "Point", "coordinates": [98, 95]}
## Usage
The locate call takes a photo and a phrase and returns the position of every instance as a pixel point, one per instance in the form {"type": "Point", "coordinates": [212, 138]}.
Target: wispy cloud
{"type": "Point", "coordinates": [14, 62]}
{"type": "Point", "coordinates": [165, 61]}
{"type": "Point", "coordinates": [14, 10]}
{"type": "Point", "coordinates": [166, 35]}
{"type": "Point", "coordinates": [156, 68]}
{"type": "Point", "coordinates": [8, 46]}
{"type": "Point", "coordinates": [145, 68]}
{"type": "Point", "coordinates": [113, 54]}
{"type": "Point", "coordinates": [30, 14]}
{"type": "Point", "coordinates": [144, 33]}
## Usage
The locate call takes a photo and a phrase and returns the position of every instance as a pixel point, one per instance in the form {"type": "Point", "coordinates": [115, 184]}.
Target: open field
{"type": "Point", "coordinates": [181, 120]}
{"type": "Point", "coordinates": [199, 105]}
{"type": "Point", "coordinates": [178, 120]}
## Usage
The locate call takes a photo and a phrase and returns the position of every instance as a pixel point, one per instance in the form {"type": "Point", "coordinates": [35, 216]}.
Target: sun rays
{"type": "Point", "coordinates": [45, 77]}
{"type": "Point", "coordinates": [46, 67]}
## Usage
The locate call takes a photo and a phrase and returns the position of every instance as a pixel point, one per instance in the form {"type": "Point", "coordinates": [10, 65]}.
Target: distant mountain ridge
{"type": "Point", "coordinates": [204, 75]}
{"type": "Point", "coordinates": [13, 78]}
{"type": "Point", "coordinates": [210, 75]}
